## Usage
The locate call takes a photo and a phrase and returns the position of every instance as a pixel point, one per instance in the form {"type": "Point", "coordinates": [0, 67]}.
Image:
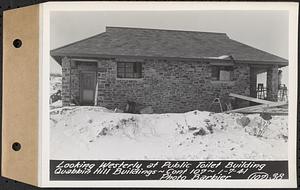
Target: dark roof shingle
{"type": "Point", "coordinates": [121, 41]}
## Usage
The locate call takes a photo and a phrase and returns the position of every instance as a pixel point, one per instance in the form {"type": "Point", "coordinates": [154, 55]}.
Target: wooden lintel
{"type": "Point", "coordinates": [220, 63]}
{"type": "Point", "coordinates": [257, 66]}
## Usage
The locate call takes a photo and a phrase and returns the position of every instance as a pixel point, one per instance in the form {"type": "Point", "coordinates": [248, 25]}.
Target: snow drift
{"type": "Point", "coordinates": [98, 133]}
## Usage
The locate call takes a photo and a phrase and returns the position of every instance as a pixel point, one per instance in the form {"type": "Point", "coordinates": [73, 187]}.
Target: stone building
{"type": "Point", "coordinates": [172, 71]}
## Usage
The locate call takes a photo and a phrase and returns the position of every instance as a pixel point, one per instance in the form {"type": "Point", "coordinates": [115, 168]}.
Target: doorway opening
{"type": "Point", "coordinates": [261, 85]}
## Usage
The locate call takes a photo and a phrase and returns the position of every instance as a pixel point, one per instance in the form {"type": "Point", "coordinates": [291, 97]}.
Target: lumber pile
{"type": "Point", "coordinates": [274, 108]}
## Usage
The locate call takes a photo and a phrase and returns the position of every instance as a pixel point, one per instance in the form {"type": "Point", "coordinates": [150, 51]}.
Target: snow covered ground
{"type": "Point", "coordinates": [56, 104]}
{"type": "Point", "coordinates": [55, 83]}
{"type": "Point", "coordinates": [55, 86]}
{"type": "Point", "coordinates": [98, 133]}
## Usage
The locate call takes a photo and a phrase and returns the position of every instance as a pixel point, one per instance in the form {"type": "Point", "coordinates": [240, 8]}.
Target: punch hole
{"type": "Point", "coordinates": [17, 43]}
{"type": "Point", "coordinates": [16, 146]}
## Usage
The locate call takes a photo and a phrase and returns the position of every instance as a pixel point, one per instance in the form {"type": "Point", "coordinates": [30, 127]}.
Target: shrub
{"type": "Point", "coordinates": [201, 132]}
{"type": "Point", "coordinates": [210, 128]}
{"type": "Point", "coordinates": [265, 116]}
{"type": "Point", "coordinates": [103, 132]}
{"type": "Point", "coordinates": [259, 126]}
{"type": "Point", "coordinates": [244, 121]}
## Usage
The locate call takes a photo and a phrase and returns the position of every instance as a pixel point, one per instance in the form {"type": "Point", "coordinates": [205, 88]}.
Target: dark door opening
{"type": "Point", "coordinates": [87, 87]}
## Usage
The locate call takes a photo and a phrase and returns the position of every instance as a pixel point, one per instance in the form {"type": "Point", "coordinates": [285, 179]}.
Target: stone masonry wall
{"type": "Point", "coordinates": [66, 84]}
{"type": "Point", "coordinates": [272, 83]}
{"type": "Point", "coordinates": [167, 86]}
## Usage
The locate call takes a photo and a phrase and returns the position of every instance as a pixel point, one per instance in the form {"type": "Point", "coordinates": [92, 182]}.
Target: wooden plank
{"type": "Point", "coordinates": [273, 104]}
{"type": "Point", "coordinates": [251, 99]}
{"type": "Point", "coordinates": [271, 113]}
{"type": "Point", "coordinates": [96, 95]}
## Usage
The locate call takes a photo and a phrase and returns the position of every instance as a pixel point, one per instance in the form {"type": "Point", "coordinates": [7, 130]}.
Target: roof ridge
{"type": "Point", "coordinates": [168, 30]}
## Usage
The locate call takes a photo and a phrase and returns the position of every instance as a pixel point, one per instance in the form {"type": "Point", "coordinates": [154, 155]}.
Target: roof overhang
{"type": "Point", "coordinates": [59, 56]}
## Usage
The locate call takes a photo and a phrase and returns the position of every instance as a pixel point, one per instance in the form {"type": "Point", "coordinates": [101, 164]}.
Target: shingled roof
{"type": "Point", "coordinates": [149, 43]}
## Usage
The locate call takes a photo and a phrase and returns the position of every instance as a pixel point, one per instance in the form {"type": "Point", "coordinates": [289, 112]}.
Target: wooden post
{"type": "Point", "coordinates": [96, 95]}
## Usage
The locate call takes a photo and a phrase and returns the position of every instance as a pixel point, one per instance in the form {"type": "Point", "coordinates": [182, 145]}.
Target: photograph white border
{"type": "Point", "coordinates": [44, 125]}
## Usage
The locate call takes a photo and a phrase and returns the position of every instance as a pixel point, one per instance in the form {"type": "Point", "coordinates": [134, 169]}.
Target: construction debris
{"type": "Point", "coordinates": [251, 99]}
{"type": "Point", "coordinates": [274, 108]}
{"type": "Point", "coordinates": [118, 110]}
{"type": "Point", "coordinates": [146, 110]}
{"type": "Point", "coordinates": [136, 108]}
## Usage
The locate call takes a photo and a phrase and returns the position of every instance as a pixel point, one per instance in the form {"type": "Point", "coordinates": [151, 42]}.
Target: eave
{"type": "Point", "coordinates": [58, 56]}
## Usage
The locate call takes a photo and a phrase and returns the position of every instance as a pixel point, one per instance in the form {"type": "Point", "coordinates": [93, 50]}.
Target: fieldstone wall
{"type": "Point", "coordinates": [66, 84]}
{"type": "Point", "coordinates": [75, 85]}
{"type": "Point", "coordinates": [272, 83]}
{"type": "Point", "coordinates": [167, 86]}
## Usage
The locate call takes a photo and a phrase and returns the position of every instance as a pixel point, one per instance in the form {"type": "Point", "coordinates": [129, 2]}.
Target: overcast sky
{"type": "Point", "coordinates": [265, 30]}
